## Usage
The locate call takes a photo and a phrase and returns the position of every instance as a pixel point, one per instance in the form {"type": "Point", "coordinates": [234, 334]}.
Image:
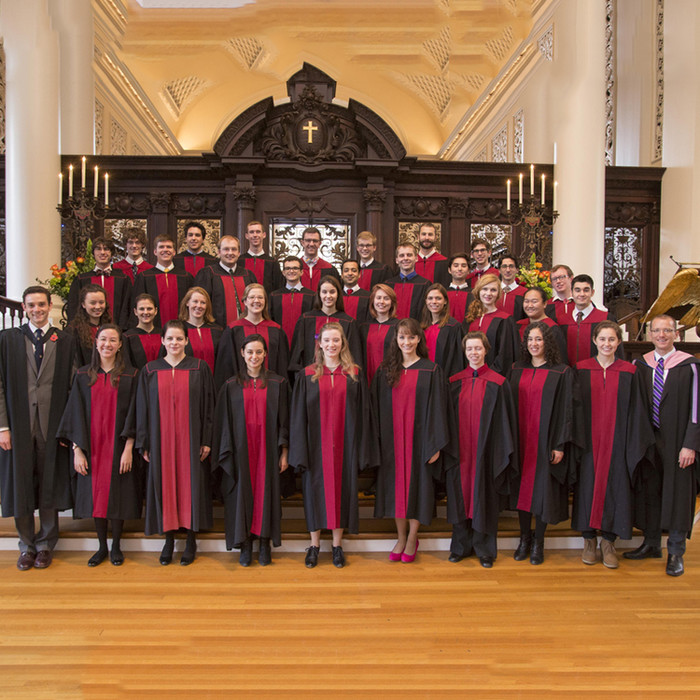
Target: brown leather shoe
{"type": "Point", "coordinates": [590, 547]}
{"type": "Point", "coordinates": [607, 549]}
{"type": "Point", "coordinates": [43, 559]}
{"type": "Point", "coordinates": [26, 561]}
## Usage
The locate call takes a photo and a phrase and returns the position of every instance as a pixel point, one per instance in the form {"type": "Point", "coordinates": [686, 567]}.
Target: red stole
{"type": "Point", "coordinates": [103, 412]}
{"type": "Point", "coordinates": [431, 337]}
{"type": "Point", "coordinates": [376, 336]}
{"type": "Point", "coordinates": [471, 399]}
{"type": "Point", "coordinates": [458, 303]}
{"type": "Point", "coordinates": [403, 403]}
{"type": "Point", "coordinates": [255, 409]}
{"type": "Point", "coordinates": [107, 283]}
{"type": "Point", "coordinates": [233, 296]}
{"type": "Point", "coordinates": [168, 301]}
{"type": "Point", "coordinates": [202, 345]}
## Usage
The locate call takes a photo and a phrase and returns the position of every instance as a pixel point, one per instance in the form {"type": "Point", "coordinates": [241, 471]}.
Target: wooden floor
{"type": "Point", "coordinates": [372, 630]}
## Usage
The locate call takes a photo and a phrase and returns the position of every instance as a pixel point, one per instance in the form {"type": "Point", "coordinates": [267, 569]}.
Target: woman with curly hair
{"type": "Point", "coordinates": [93, 312]}
{"type": "Point", "coordinates": [204, 335]}
{"type": "Point", "coordinates": [534, 306]}
{"type": "Point", "coordinates": [542, 389]}
{"type": "Point", "coordinates": [443, 334]}
{"type": "Point", "coordinates": [378, 334]}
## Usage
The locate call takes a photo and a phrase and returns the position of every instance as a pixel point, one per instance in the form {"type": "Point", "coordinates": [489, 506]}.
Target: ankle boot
{"type": "Point", "coordinates": [537, 552]}
{"type": "Point", "coordinates": [246, 552]}
{"type": "Point", "coordinates": [523, 549]}
{"type": "Point", "coordinates": [190, 549]}
{"type": "Point", "coordinates": [166, 554]}
{"type": "Point", "coordinates": [265, 556]}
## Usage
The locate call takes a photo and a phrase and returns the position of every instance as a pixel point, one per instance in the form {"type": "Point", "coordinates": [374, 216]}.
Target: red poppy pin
{"type": "Point", "coordinates": [53, 338]}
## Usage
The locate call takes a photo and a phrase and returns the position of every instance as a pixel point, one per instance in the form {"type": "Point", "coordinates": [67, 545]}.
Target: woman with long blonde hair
{"type": "Point", "coordinates": [378, 333]}
{"type": "Point", "coordinates": [204, 335]}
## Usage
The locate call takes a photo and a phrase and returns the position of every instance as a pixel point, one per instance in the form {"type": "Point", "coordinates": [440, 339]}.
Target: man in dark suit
{"type": "Point", "coordinates": [36, 368]}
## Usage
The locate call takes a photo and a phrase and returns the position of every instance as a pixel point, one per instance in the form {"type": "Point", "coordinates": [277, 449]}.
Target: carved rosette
{"type": "Point", "coordinates": [458, 207]}
{"type": "Point", "coordinates": [374, 200]}
{"type": "Point", "coordinates": [245, 196]}
{"type": "Point", "coordinates": [421, 207]}
{"type": "Point", "coordinates": [196, 205]}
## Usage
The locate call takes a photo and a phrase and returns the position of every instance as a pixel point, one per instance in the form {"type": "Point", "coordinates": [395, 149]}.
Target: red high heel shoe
{"type": "Point", "coordinates": [408, 558]}
{"type": "Point", "coordinates": [395, 556]}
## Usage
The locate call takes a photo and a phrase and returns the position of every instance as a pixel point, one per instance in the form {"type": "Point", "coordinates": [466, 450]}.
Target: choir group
{"type": "Point", "coordinates": [202, 378]}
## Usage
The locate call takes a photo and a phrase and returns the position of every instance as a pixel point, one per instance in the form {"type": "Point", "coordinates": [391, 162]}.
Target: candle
{"type": "Point", "coordinates": [60, 189]}
{"type": "Point", "coordinates": [554, 196]}
{"type": "Point", "coordinates": [542, 197]}
{"type": "Point", "coordinates": [532, 180]}
{"type": "Point", "coordinates": [96, 181]}
{"type": "Point", "coordinates": [82, 172]}
{"type": "Point", "coordinates": [106, 189]}
{"type": "Point", "coordinates": [520, 189]}
{"type": "Point", "coordinates": [70, 180]}
{"type": "Point", "coordinates": [508, 195]}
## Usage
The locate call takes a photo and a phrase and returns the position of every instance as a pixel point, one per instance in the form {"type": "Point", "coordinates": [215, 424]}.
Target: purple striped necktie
{"type": "Point", "coordinates": [658, 389]}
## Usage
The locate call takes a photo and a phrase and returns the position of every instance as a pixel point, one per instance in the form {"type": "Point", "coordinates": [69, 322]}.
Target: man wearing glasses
{"type": "Point", "coordinates": [481, 253]}
{"type": "Point", "coordinates": [562, 303]}
{"type": "Point", "coordinates": [371, 271]}
{"type": "Point", "coordinates": [289, 302]}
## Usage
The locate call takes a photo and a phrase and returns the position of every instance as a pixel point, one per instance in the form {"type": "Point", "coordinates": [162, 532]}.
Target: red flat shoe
{"type": "Point", "coordinates": [408, 558]}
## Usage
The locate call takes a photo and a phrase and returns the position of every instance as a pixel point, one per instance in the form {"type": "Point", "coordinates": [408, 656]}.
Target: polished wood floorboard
{"type": "Point", "coordinates": [372, 630]}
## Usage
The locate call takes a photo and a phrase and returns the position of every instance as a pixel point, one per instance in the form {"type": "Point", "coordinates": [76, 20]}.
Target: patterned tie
{"type": "Point", "coordinates": [38, 348]}
{"type": "Point", "coordinates": [658, 389]}
{"type": "Point", "coordinates": [135, 269]}
{"type": "Point", "coordinates": [579, 317]}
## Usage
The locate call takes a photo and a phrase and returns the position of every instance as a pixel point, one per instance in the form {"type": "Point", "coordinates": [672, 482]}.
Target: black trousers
{"type": "Point", "coordinates": [465, 539]}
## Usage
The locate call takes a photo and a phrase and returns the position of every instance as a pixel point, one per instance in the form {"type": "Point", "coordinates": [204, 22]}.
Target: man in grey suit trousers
{"type": "Point", "coordinates": [36, 368]}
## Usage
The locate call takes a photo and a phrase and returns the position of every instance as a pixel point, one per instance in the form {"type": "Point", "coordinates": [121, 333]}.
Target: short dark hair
{"type": "Point", "coordinates": [197, 225]}
{"type": "Point", "coordinates": [36, 289]}
{"type": "Point", "coordinates": [509, 256]}
{"type": "Point", "coordinates": [455, 256]}
{"type": "Point", "coordinates": [585, 279]}
{"type": "Point", "coordinates": [103, 242]}
{"type": "Point", "coordinates": [174, 323]}
{"type": "Point", "coordinates": [134, 233]}
{"type": "Point", "coordinates": [145, 297]}
{"type": "Point", "coordinates": [310, 229]}
{"type": "Point", "coordinates": [480, 241]}
{"type": "Point", "coordinates": [292, 258]}
{"type": "Point", "coordinates": [349, 260]}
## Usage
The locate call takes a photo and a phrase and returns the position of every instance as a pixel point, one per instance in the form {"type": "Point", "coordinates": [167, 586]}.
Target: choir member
{"type": "Point", "coordinates": [251, 448]}
{"type": "Point", "coordinates": [174, 413]}
{"type": "Point", "coordinates": [616, 434]}
{"type": "Point", "coordinates": [93, 311]}
{"type": "Point", "coordinates": [355, 299]}
{"type": "Point", "coordinates": [314, 267]}
{"type": "Point", "coordinates": [371, 271]}
{"type": "Point", "coordinates": [535, 309]}
{"type": "Point", "coordinates": [328, 308]}
{"type": "Point", "coordinates": [481, 254]}
{"type": "Point", "coordinates": [262, 266]}
{"type": "Point", "coordinates": [133, 263]}
{"type": "Point", "coordinates": [289, 302]}
{"type": "Point", "coordinates": [430, 264]}
{"type": "Point", "coordinates": [204, 335]}
{"type": "Point", "coordinates": [562, 301]}
{"type": "Point", "coordinates": [194, 257]}
{"type": "Point", "coordinates": [483, 315]}
{"type": "Point", "coordinates": [443, 334]}
{"type": "Point", "coordinates": [542, 389]}
{"type": "Point", "coordinates": [511, 300]}
{"type": "Point", "coordinates": [256, 321]}
{"type": "Point", "coordinates": [98, 421]}
{"type": "Point", "coordinates": [409, 406]}
{"type": "Point", "coordinates": [482, 414]}
{"type": "Point", "coordinates": [330, 441]}
{"type": "Point", "coordinates": [378, 334]}
{"type": "Point", "coordinates": [459, 291]}
{"type": "Point", "coordinates": [408, 285]}
{"type": "Point", "coordinates": [143, 343]}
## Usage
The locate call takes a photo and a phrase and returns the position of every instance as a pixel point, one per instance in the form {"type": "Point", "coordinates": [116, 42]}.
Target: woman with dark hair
{"type": "Point", "coordinates": [330, 440]}
{"type": "Point", "coordinates": [251, 448]}
{"type": "Point", "coordinates": [409, 402]}
{"type": "Point", "coordinates": [379, 333]}
{"type": "Point", "coordinates": [93, 312]}
{"type": "Point", "coordinates": [256, 320]}
{"type": "Point", "coordinates": [98, 421]}
{"type": "Point", "coordinates": [174, 415]}
{"type": "Point", "coordinates": [483, 315]}
{"type": "Point", "coordinates": [616, 434]}
{"type": "Point", "coordinates": [143, 343]}
{"type": "Point", "coordinates": [204, 335]}
{"type": "Point", "coordinates": [534, 305]}
{"type": "Point", "coordinates": [328, 308]}
{"type": "Point", "coordinates": [443, 334]}
{"type": "Point", "coordinates": [542, 389]}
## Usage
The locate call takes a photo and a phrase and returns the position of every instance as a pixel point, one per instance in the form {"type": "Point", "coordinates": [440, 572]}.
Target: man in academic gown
{"type": "Point", "coordinates": [409, 286]}
{"type": "Point", "coordinates": [668, 480]}
{"type": "Point", "coordinates": [133, 263]}
{"type": "Point", "coordinates": [194, 257]}
{"type": "Point", "coordinates": [355, 299]}
{"type": "Point", "coordinates": [290, 301]}
{"type": "Point", "coordinates": [562, 302]}
{"type": "Point", "coordinates": [314, 267]}
{"type": "Point", "coordinates": [225, 282]}
{"type": "Point", "coordinates": [371, 271]}
{"type": "Point", "coordinates": [459, 291]}
{"type": "Point", "coordinates": [481, 254]}
{"type": "Point", "coordinates": [36, 368]}
{"type": "Point", "coordinates": [511, 300]}
{"type": "Point", "coordinates": [262, 266]}
{"type": "Point", "coordinates": [430, 263]}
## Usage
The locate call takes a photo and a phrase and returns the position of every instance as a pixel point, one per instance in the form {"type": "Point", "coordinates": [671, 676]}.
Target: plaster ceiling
{"type": "Point", "coordinates": [420, 64]}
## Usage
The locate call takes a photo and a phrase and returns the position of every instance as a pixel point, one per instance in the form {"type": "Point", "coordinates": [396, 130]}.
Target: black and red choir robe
{"type": "Point", "coordinates": [375, 338]}
{"type": "Point", "coordinates": [559, 310]}
{"type": "Point", "coordinates": [98, 419]}
{"type": "Point", "coordinates": [374, 273]}
{"type": "Point", "coordinates": [410, 295]}
{"type": "Point", "coordinates": [225, 291]}
{"type": "Point", "coordinates": [311, 276]}
{"type": "Point", "coordinates": [142, 347]}
{"type": "Point", "coordinates": [557, 332]}
{"type": "Point", "coordinates": [445, 346]}
{"type": "Point", "coordinates": [512, 302]}
{"type": "Point", "coordinates": [579, 336]}
{"type": "Point", "coordinates": [503, 337]}
{"type": "Point", "coordinates": [543, 399]}
{"type": "Point", "coordinates": [356, 304]}
{"type": "Point", "coordinates": [679, 426]}
{"type": "Point", "coordinates": [480, 479]}
{"type": "Point", "coordinates": [433, 268]}
{"type": "Point", "coordinates": [475, 275]}
{"type": "Point", "coordinates": [193, 262]}
{"type": "Point", "coordinates": [83, 352]}
{"type": "Point", "coordinates": [265, 269]}
{"type": "Point", "coordinates": [306, 335]}
{"type": "Point", "coordinates": [330, 444]}
{"type": "Point", "coordinates": [287, 306]}
{"type": "Point", "coordinates": [411, 423]}
{"type": "Point", "coordinates": [251, 427]}
{"type": "Point", "coordinates": [167, 288]}
{"type": "Point", "coordinates": [459, 302]}
{"type": "Point", "coordinates": [174, 419]}
{"type": "Point", "coordinates": [128, 268]}
{"type": "Point", "coordinates": [615, 435]}
{"type": "Point", "coordinates": [231, 362]}
{"type": "Point", "coordinates": [204, 342]}
{"type": "Point", "coordinates": [118, 290]}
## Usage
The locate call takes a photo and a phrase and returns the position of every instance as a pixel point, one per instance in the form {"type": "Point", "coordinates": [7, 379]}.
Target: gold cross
{"type": "Point", "coordinates": [310, 128]}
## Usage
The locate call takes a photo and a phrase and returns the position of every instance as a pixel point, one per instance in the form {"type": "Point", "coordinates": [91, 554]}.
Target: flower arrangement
{"type": "Point", "coordinates": [535, 276]}
{"type": "Point", "coordinates": [62, 277]}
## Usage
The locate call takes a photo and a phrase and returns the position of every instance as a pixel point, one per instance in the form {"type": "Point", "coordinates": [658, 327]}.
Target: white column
{"type": "Point", "coordinates": [578, 101]}
{"type": "Point", "coordinates": [74, 22]}
{"type": "Point", "coordinates": [31, 135]}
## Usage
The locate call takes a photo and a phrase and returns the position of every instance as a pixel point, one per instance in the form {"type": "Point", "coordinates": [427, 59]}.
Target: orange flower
{"type": "Point", "coordinates": [538, 265]}
{"type": "Point", "coordinates": [80, 261]}
{"type": "Point", "coordinates": [54, 267]}
{"type": "Point", "coordinates": [62, 271]}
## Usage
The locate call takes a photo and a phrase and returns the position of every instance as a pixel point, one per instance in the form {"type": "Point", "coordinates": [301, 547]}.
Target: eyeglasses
{"type": "Point", "coordinates": [559, 278]}
{"type": "Point", "coordinates": [480, 250]}
{"type": "Point", "coordinates": [291, 269]}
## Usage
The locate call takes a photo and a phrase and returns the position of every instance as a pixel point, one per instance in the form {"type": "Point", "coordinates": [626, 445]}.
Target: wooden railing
{"type": "Point", "coordinates": [12, 313]}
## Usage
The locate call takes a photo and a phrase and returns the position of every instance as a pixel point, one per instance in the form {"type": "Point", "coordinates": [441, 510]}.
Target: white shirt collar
{"type": "Point", "coordinates": [131, 261]}
{"type": "Point", "coordinates": [460, 287]}
{"type": "Point", "coordinates": [586, 312]}
{"type": "Point", "coordinates": [227, 268]}
{"type": "Point", "coordinates": [165, 269]}
{"type": "Point", "coordinates": [44, 329]}
{"type": "Point", "coordinates": [366, 264]}
{"type": "Point", "coordinates": [297, 287]}
{"type": "Point", "coordinates": [354, 289]}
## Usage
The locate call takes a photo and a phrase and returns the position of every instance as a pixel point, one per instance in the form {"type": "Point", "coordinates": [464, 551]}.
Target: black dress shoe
{"type": "Point", "coordinates": [116, 556]}
{"type": "Point", "coordinates": [246, 553]}
{"type": "Point", "coordinates": [26, 561]}
{"type": "Point", "coordinates": [338, 557]}
{"type": "Point", "coordinates": [644, 551]}
{"type": "Point", "coordinates": [454, 558]}
{"type": "Point", "coordinates": [674, 565]}
{"type": "Point", "coordinates": [537, 553]}
{"type": "Point", "coordinates": [486, 562]}
{"type": "Point", "coordinates": [98, 557]}
{"type": "Point", "coordinates": [166, 554]}
{"type": "Point", "coordinates": [523, 550]}
{"type": "Point", "coordinates": [265, 555]}
{"type": "Point", "coordinates": [311, 558]}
